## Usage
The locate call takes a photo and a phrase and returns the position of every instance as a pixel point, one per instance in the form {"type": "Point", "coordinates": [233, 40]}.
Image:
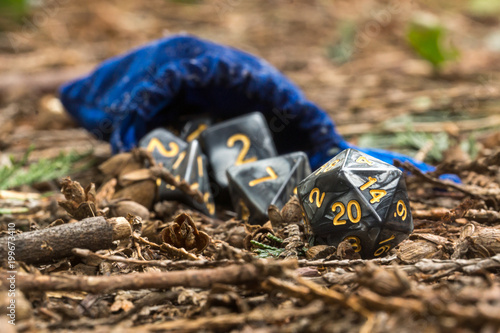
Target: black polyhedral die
{"type": "Point", "coordinates": [193, 128]}
{"type": "Point", "coordinates": [190, 165]}
{"type": "Point", "coordinates": [237, 141]}
{"type": "Point", "coordinates": [254, 186]}
{"type": "Point", "coordinates": [184, 162]}
{"type": "Point", "coordinates": [163, 145]}
{"type": "Point", "coordinates": [359, 198]}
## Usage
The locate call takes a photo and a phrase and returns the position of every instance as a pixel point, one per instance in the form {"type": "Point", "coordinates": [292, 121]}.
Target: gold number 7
{"type": "Point", "coordinates": [272, 175]}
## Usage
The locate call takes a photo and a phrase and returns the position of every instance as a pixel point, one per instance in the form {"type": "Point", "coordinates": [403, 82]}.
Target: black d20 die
{"type": "Point", "coordinates": [191, 166]}
{"type": "Point", "coordinates": [163, 145]}
{"type": "Point", "coordinates": [237, 141]}
{"type": "Point", "coordinates": [357, 197]}
{"type": "Point", "coordinates": [254, 186]}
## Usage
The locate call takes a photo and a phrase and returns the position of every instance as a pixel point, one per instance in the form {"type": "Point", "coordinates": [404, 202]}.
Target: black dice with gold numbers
{"type": "Point", "coordinates": [359, 198]}
{"type": "Point", "coordinates": [191, 166]}
{"type": "Point", "coordinates": [184, 162]}
{"type": "Point", "coordinates": [193, 128]}
{"type": "Point", "coordinates": [256, 185]}
{"type": "Point", "coordinates": [237, 141]}
{"type": "Point", "coordinates": [163, 145]}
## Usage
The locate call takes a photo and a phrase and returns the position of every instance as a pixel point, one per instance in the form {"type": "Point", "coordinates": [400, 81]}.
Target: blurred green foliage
{"type": "Point", "coordinates": [19, 173]}
{"type": "Point", "coordinates": [484, 7]}
{"type": "Point", "coordinates": [14, 9]}
{"type": "Point", "coordinates": [341, 51]}
{"type": "Point", "coordinates": [410, 142]}
{"type": "Point", "coordinates": [428, 39]}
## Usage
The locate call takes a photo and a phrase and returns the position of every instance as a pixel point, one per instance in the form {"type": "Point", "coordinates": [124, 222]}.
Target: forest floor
{"type": "Point", "coordinates": [354, 60]}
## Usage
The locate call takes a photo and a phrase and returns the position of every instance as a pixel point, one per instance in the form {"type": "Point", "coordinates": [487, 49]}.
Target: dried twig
{"type": "Point", "coordinates": [171, 264]}
{"type": "Point", "coordinates": [346, 262]}
{"type": "Point", "coordinates": [269, 316]}
{"type": "Point", "coordinates": [482, 215]}
{"type": "Point", "coordinates": [473, 191]}
{"type": "Point", "coordinates": [234, 274]}
{"type": "Point", "coordinates": [159, 171]}
{"type": "Point", "coordinates": [469, 266]}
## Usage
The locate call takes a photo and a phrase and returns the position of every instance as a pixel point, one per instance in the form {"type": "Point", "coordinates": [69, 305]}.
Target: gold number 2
{"type": "Point", "coordinates": [272, 175]}
{"type": "Point", "coordinates": [319, 197]}
{"type": "Point", "coordinates": [244, 150]}
{"type": "Point", "coordinates": [155, 143]}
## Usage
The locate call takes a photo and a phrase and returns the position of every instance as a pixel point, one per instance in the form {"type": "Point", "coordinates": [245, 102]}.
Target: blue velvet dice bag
{"type": "Point", "coordinates": [171, 79]}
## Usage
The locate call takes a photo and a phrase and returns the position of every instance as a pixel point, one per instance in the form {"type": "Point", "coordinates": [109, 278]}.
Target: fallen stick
{"type": "Point", "coordinates": [473, 191]}
{"type": "Point", "coordinates": [47, 245]}
{"type": "Point", "coordinates": [468, 266]}
{"type": "Point", "coordinates": [482, 215]}
{"type": "Point", "coordinates": [225, 321]}
{"type": "Point", "coordinates": [203, 278]}
{"type": "Point", "coordinates": [345, 262]}
{"type": "Point", "coordinates": [171, 264]}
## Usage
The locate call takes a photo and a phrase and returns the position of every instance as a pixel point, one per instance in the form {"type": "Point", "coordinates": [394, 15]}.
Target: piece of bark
{"type": "Point", "coordinates": [50, 244]}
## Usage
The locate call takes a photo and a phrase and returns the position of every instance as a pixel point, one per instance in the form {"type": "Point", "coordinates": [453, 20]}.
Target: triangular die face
{"type": "Point", "coordinates": [260, 182]}
{"type": "Point", "coordinates": [375, 187]}
{"type": "Point", "coordinates": [163, 145]}
{"type": "Point", "coordinates": [333, 165]}
{"type": "Point", "coordinates": [300, 169]}
{"type": "Point", "coordinates": [317, 198]}
{"type": "Point", "coordinates": [193, 128]}
{"type": "Point", "coordinates": [358, 160]}
{"type": "Point", "coordinates": [398, 217]}
{"type": "Point", "coordinates": [191, 165]}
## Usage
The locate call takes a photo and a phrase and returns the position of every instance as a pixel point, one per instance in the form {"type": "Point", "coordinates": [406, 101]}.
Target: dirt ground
{"type": "Point", "coordinates": [353, 59]}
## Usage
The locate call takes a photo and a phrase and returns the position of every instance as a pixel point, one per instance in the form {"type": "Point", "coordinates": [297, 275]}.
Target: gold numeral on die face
{"type": "Point", "coordinates": [353, 212]}
{"type": "Point", "coordinates": [376, 194]}
{"type": "Point", "coordinates": [363, 160]}
{"type": "Point", "coordinates": [401, 210]}
{"type": "Point", "coordinates": [319, 196]}
{"type": "Point", "coordinates": [355, 243]}
{"type": "Point", "coordinates": [156, 144]}
{"type": "Point", "coordinates": [327, 167]}
{"type": "Point", "coordinates": [244, 150]}
{"type": "Point", "coordinates": [272, 175]}
{"type": "Point", "coordinates": [384, 248]}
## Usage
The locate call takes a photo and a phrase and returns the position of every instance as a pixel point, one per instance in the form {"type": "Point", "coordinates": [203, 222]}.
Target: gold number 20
{"type": "Point", "coordinates": [351, 206]}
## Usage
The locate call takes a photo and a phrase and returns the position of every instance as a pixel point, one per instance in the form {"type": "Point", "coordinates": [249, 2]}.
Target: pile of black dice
{"type": "Point", "coordinates": [353, 196]}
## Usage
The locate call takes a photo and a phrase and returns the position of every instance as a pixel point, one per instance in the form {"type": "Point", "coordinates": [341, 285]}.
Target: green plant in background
{"type": "Point", "coordinates": [410, 142]}
{"type": "Point", "coordinates": [14, 9]}
{"type": "Point", "coordinates": [44, 169]}
{"type": "Point", "coordinates": [417, 140]}
{"type": "Point", "coordinates": [342, 50]}
{"type": "Point", "coordinates": [428, 39]}
{"type": "Point", "coordinates": [484, 7]}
